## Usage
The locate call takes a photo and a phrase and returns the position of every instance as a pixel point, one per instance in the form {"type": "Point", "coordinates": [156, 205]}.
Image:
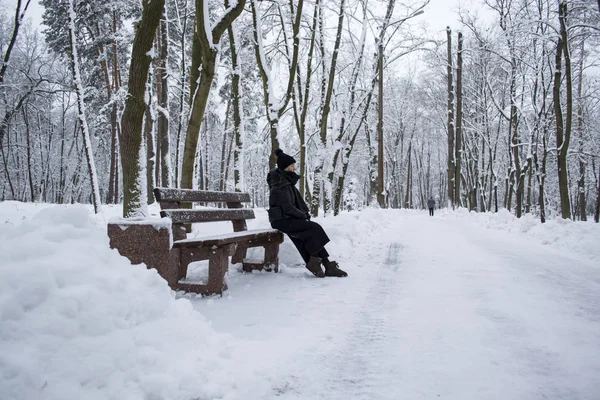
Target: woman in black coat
{"type": "Point", "coordinates": [289, 213]}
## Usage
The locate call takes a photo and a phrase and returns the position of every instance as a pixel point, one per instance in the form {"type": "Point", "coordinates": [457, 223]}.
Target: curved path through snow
{"type": "Point", "coordinates": [433, 308]}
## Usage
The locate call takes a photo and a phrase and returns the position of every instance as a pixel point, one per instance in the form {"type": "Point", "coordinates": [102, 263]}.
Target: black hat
{"type": "Point", "coordinates": [284, 160]}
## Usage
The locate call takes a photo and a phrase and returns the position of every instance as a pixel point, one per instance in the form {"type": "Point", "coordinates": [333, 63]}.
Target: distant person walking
{"type": "Point", "coordinates": [431, 205]}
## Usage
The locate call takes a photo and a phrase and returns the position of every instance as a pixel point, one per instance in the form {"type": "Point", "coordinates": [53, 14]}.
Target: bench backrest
{"type": "Point", "coordinates": [177, 205]}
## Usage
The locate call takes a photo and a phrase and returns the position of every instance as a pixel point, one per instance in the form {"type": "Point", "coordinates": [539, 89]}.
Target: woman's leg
{"type": "Point", "coordinates": [308, 236]}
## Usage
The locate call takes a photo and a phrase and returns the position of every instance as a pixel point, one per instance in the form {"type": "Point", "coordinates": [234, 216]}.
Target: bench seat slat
{"type": "Point", "coordinates": [243, 236]}
{"type": "Point", "coordinates": [190, 195]}
{"type": "Point", "coordinates": [185, 216]}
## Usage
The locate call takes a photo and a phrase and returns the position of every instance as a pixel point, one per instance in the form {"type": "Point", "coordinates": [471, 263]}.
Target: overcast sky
{"type": "Point", "coordinates": [438, 14]}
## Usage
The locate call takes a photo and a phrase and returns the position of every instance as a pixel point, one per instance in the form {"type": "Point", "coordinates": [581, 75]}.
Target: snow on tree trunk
{"type": "Point", "coordinates": [563, 126]}
{"type": "Point", "coordinates": [205, 51]}
{"type": "Point", "coordinates": [275, 109]}
{"type": "Point", "coordinates": [133, 152]}
{"type": "Point", "coordinates": [87, 143]}
{"type": "Point", "coordinates": [450, 109]}
{"type": "Point", "coordinates": [238, 115]}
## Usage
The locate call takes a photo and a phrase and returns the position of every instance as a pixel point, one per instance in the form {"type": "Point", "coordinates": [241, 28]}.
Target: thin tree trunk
{"type": "Point", "coordinates": [302, 130]}
{"type": "Point", "coordinates": [236, 95]}
{"type": "Point", "coordinates": [224, 147]}
{"type": "Point", "coordinates": [28, 142]}
{"type": "Point", "coordinates": [580, 130]}
{"type": "Point", "coordinates": [327, 88]}
{"type": "Point", "coordinates": [597, 213]}
{"type": "Point", "coordinates": [150, 153]}
{"type": "Point", "coordinates": [459, 106]}
{"type": "Point", "coordinates": [162, 92]}
{"type": "Point", "coordinates": [181, 96]}
{"type": "Point", "coordinates": [408, 194]}
{"type": "Point", "coordinates": [19, 15]}
{"type": "Point", "coordinates": [275, 109]}
{"type": "Point", "coordinates": [87, 143]}
{"type": "Point", "coordinates": [450, 109]}
{"type": "Point", "coordinates": [563, 126]}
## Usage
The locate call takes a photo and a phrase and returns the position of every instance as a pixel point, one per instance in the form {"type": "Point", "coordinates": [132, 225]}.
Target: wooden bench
{"type": "Point", "coordinates": [167, 248]}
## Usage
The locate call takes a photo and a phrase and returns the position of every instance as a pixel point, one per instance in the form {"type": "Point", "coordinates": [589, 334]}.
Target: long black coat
{"type": "Point", "coordinates": [289, 213]}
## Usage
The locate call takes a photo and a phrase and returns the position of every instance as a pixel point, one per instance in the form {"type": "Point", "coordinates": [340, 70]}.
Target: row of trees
{"type": "Point", "coordinates": [201, 93]}
{"type": "Point", "coordinates": [526, 82]}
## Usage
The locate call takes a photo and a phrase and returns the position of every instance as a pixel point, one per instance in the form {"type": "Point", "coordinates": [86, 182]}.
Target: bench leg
{"type": "Point", "coordinates": [218, 263]}
{"type": "Point", "coordinates": [240, 253]}
{"type": "Point", "coordinates": [272, 257]}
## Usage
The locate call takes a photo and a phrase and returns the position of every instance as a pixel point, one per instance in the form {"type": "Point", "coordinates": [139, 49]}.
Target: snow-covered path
{"type": "Point", "coordinates": [460, 306]}
{"type": "Point", "coordinates": [433, 308]}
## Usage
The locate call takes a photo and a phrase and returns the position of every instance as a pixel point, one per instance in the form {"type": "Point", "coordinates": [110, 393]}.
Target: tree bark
{"type": "Point", "coordinates": [302, 123]}
{"type": "Point", "coordinates": [236, 95]}
{"type": "Point", "coordinates": [563, 126]}
{"type": "Point", "coordinates": [597, 213]}
{"type": "Point", "coordinates": [87, 142]}
{"type": "Point", "coordinates": [162, 93]}
{"type": "Point", "coordinates": [275, 109]}
{"type": "Point", "coordinates": [135, 107]}
{"type": "Point", "coordinates": [450, 109]}
{"type": "Point", "coordinates": [327, 83]}
{"type": "Point", "coordinates": [204, 53]}
{"type": "Point", "coordinates": [19, 15]}
{"type": "Point", "coordinates": [28, 145]}
{"type": "Point", "coordinates": [580, 131]}
{"type": "Point", "coordinates": [459, 106]}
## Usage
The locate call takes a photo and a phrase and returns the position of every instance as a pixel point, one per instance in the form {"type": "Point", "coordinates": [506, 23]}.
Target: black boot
{"type": "Point", "coordinates": [314, 266]}
{"type": "Point", "coordinates": [333, 269]}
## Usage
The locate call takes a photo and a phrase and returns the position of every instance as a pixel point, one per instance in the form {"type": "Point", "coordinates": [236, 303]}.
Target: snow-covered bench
{"type": "Point", "coordinates": [164, 244]}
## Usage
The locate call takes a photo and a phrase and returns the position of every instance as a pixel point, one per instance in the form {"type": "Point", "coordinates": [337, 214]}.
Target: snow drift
{"type": "Point", "coordinates": [80, 322]}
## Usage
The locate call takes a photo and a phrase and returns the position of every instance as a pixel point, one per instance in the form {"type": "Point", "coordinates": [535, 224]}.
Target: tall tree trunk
{"type": "Point", "coordinates": [515, 172]}
{"type": "Point", "coordinates": [327, 83]}
{"type": "Point", "coordinates": [204, 53]}
{"type": "Point", "coordinates": [28, 142]}
{"type": "Point", "coordinates": [181, 116]}
{"type": "Point", "coordinates": [238, 124]}
{"type": "Point", "coordinates": [408, 194]}
{"type": "Point", "coordinates": [343, 153]}
{"type": "Point", "coordinates": [459, 116]}
{"type": "Point", "coordinates": [87, 142]}
{"type": "Point", "coordinates": [597, 213]}
{"type": "Point", "coordinates": [224, 147]}
{"type": "Point", "coordinates": [135, 107]}
{"type": "Point", "coordinates": [563, 126]}
{"type": "Point", "coordinates": [151, 158]}
{"type": "Point", "coordinates": [580, 131]}
{"type": "Point", "coordinates": [305, 97]}
{"type": "Point", "coordinates": [542, 176]}
{"type": "Point", "coordinates": [450, 109]}
{"type": "Point", "coordinates": [162, 93]}
{"type": "Point", "coordinates": [114, 188]}
{"type": "Point", "coordinates": [380, 180]}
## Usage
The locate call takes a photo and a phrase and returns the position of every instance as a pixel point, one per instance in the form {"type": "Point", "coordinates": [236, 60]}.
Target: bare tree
{"type": "Point", "coordinates": [276, 108]}
{"type": "Point", "coordinates": [458, 147]}
{"type": "Point", "coordinates": [563, 123]}
{"type": "Point", "coordinates": [85, 131]}
{"type": "Point", "coordinates": [327, 88]}
{"type": "Point", "coordinates": [450, 109]}
{"type": "Point", "coordinates": [205, 50]}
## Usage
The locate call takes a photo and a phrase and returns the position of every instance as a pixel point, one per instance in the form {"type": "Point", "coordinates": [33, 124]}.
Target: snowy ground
{"type": "Point", "coordinates": [458, 306]}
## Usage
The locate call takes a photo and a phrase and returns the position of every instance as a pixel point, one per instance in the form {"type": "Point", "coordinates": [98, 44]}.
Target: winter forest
{"type": "Point", "coordinates": [109, 99]}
